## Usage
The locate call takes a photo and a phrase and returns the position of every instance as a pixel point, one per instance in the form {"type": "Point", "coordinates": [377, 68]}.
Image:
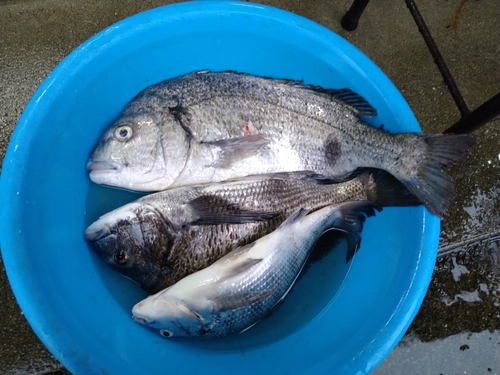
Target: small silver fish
{"type": "Point", "coordinates": [163, 237]}
{"type": "Point", "coordinates": [237, 291]}
{"type": "Point", "coordinates": [205, 127]}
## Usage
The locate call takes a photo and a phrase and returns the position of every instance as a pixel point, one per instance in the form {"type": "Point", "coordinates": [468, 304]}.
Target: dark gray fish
{"type": "Point", "coordinates": [206, 127]}
{"type": "Point", "coordinates": [238, 290]}
{"type": "Point", "coordinates": [163, 237]}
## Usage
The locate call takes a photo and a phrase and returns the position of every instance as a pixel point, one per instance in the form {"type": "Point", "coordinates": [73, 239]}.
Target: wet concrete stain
{"type": "Point", "coordinates": [464, 294]}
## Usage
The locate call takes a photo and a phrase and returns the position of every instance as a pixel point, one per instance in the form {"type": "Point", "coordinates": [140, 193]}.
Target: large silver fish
{"type": "Point", "coordinates": [237, 291]}
{"type": "Point", "coordinates": [207, 127]}
{"type": "Point", "coordinates": [163, 237]}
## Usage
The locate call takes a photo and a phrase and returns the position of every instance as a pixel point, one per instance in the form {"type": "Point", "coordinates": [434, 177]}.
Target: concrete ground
{"type": "Point", "coordinates": [457, 329]}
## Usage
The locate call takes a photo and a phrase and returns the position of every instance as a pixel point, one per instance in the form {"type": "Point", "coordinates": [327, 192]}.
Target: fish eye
{"type": "Point", "coordinates": [123, 133]}
{"type": "Point", "coordinates": [166, 333]}
{"type": "Point", "coordinates": [120, 257]}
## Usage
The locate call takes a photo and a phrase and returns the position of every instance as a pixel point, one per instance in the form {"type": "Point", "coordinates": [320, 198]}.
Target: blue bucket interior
{"type": "Point", "coordinates": [334, 321]}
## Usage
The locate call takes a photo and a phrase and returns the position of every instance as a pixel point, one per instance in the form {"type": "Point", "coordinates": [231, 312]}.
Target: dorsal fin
{"type": "Point", "coordinates": [349, 97]}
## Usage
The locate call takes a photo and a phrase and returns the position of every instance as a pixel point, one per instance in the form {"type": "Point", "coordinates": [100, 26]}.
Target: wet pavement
{"type": "Point", "coordinates": [457, 330]}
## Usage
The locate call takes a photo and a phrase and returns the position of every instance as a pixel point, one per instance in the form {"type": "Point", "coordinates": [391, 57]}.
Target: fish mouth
{"type": "Point", "coordinates": [96, 232]}
{"type": "Point", "coordinates": [138, 319]}
{"type": "Point", "coordinates": [100, 167]}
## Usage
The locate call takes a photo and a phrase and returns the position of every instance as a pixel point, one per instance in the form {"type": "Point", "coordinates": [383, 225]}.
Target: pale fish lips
{"type": "Point", "coordinates": [101, 228]}
{"type": "Point", "coordinates": [97, 167]}
{"type": "Point", "coordinates": [139, 317]}
{"type": "Point", "coordinates": [104, 172]}
{"type": "Point", "coordinates": [95, 232]}
{"type": "Point", "coordinates": [121, 176]}
{"type": "Point", "coordinates": [144, 321]}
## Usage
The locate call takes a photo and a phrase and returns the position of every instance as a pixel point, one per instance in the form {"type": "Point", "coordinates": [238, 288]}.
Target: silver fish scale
{"type": "Point", "coordinates": [274, 274]}
{"type": "Point", "coordinates": [208, 127]}
{"type": "Point", "coordinates": [227, 105]}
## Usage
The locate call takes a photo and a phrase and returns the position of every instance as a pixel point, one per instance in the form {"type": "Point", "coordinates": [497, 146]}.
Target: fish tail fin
{"type": "Point", "coordinates": [384, 189]}
{"type": "Point", "coordinates": [350, 220]}
{"type": "Point", "coordinates": [431, 184]}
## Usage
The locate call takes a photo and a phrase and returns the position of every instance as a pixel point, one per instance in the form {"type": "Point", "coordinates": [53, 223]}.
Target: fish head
{"type": "Point", "coordinates": [136, 241]}
{"type": "Point", "coordinates": [170, 316]}
{"type": "Point", "coordinates": [141, 151]}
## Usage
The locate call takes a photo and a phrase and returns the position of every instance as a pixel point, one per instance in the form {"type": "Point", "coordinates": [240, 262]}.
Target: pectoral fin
{"type": "Point", "coordinates": [239, 267]}
{"type": "Point", "coordinates": [229, 151]}
{"type": "Point", "coordinates": [236, 300]}
{"type": "Point", "coordinates": [295, 216]}
{"type": "Point", "coordinates": [213, 210]}
{"type": "Point", "coordinates": [235, 254]}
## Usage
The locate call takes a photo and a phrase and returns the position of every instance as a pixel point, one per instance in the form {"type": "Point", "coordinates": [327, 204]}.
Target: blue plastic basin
{"type": "Point", "coordinates": [80, 309]}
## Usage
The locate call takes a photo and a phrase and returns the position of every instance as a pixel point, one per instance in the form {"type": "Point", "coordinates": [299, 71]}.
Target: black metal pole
{"type": "Point", "coordinates": [351, 18]}
{"type": "Point", "coordinates": [438, 59]}
{"type": "Point", "coordinates": [488, 111]}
